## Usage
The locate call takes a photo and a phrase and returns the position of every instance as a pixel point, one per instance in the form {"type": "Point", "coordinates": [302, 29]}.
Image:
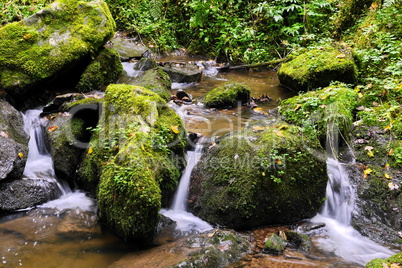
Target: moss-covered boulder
{"type": "Point", "coordinates": [134, 156]}
{"type": "Point", "coordinates": [259, 176]}
{"type": "Point", "coordinates": [318, 68]}
{"type": "Point", "coordinates": [227, 95]}
{"type": "Point", "coordinates": [50, 41]}
{"type": "Point", "coordinates": [393, 261]}
{"type": "Point", "coordinates": [104, 69]}
{"type": "Point", "coordinates": [323, 111]}
{"type": "Point", "coordinates": [13, 142]}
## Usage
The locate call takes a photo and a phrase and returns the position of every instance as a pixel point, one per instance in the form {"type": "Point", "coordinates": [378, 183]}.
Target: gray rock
{"type": "Point", "coordinates": [128, 49]}
{"type": "Point", "coordinates": [183, 73]}
{"type": "Point", "coordinates": [13, 142]}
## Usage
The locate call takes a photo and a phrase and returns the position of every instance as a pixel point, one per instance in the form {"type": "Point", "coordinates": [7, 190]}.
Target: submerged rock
{"type": "Point", "coordinates": [227, 95]}
{"type": "Point", "coordinates": [275, 244]}
{"type": "Point", "coordinates": [318, 68]}
{"type": "Point", "coordinates": [13, 142]}
{"type": "Point", "coordinates": [134, 157]}
{"type": "Point", "coordinates": [51, 41]}
{"type": "Point", "coordinates": [260, 176]}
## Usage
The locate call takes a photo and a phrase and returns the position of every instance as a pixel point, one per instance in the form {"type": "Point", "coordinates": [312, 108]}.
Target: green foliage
{"type": "Point", "coordinates": [16, 10]}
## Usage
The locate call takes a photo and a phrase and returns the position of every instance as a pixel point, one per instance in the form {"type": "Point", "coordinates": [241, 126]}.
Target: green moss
{"type": "Point", "coordinates": [275, 244]}
{"type": "Point", "coordinates": [39, 46]}
{"type": "Point", "coordinates": [379, 263]}
{"type": "Point", "coordinates": [227, 95]}
{"type": "Point", "coordinates": [316, 110]}
{"type": "Point", "coordinates": [133, 154]}
{"type": "Point", "coordinates": [104, 69]}
{"type": "Point", "coordinates": [157, 81]}
{"type": "Point", "coordinates": [253, 179]}
{"type": "Point", "coordinates": [318, 68]}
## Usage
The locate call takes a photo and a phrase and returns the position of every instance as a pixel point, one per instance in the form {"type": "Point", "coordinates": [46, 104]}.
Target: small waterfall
{"type": "Point", "coordinates": [181, 195]}
{"type": "Point", "coordinates": [39, 165]}
{"type": "Point", "coordinates": [186, 222]}
{"type": "Point", "coordinates": [339, 236]}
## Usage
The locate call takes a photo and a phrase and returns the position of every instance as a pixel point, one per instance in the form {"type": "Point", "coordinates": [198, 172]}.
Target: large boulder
{"type": "Point", "coordinates": [13, 142]}
{"type": "Point", "coordinates": [227, 95]}
{"type": "Point", "coordinates": [183, 72]}
{"type": "Point", "coordinates": [268, 174]}
{"type": "Point", "coordinates": [104, 69]}
{"type": "Point", "coordinates": [51, 41]}
{"type": "Point", "coordinates": [318, 68]}
{"type": "Point", "coordinates": [128, 48]}
{"type": "Point", "coordinates": [134, 156]}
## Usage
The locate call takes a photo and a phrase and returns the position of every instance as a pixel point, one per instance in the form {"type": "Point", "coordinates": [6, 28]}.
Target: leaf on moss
{"type": "Point", "coordinates": [370, 153]}
{"type": "Point", "coordinates": [391, 152]}
{"type": "Point", "coordinates": [279, 133]}
{"type": "Point", "coordinates": [297, 107]}
{"type": "Point", "coordinates": [20, 155]}
{"type": "Point", "coordinates": [387, 128]}
{"type": "Point", "coordinates": [53, 128]}
{"type": "Point", "coordinates": [258, 128]}
{"type": "Point", "coordinates": [367, 172]}
{"type": "Point", "coordinates": [393, 186]}
{"type": "Point", "coordinates": [175, 129]}
{"type": "Point", "coordinates": [90, 150]}
{"type": "Point", "coordinates": [3, 134]}
{"type": "Point", "coordinates": [387, 176]}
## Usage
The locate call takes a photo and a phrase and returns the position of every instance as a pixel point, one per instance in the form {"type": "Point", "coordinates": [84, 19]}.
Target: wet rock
{"type": "Point", "coordinates": [298, 240]}
{"type": "Point", "coordinates": [78, 224]}
{"type": "Point", "coordinates": [182, 95]}
{"type": "Point", "coordinates": [128, 48]}
{"type": "Point", "coordinates": [145, 64]}
{"type": "Point", "coordinates": [104, 69]}
{"type": "Point", "coordinates": [250, 179]}
{"type": "Point", "coordinates": [227, 95]}
{"type": "Point", "coordinates": [218, 249]}
{"type": "Point", "coordinates": [318, 68]}
{"type": "Point", "coordinates": [275, 244]}
{"type": "Point", "coordinates": [183, 72]}
{"type": "Point", "coordinates": [50, 42]}
{"type": "Point", "coordinates": [20, 194]}
{"type": "Point", "coordinates": [13, 142]}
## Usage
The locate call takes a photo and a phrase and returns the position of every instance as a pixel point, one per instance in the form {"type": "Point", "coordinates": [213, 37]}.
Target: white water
{"type": "Point", "coordinates": [340, 237]}
{"type": "Point", "coordinates": [39, 167]}
{"type": "Point", "coordinates": [186, 222]}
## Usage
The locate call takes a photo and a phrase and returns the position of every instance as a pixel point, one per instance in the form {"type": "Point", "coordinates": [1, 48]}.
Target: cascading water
{"type": "Point", "coordinates": [39, 165]}
{"type": "Point", "coordinates": [340, 237]}
{"type": "Point", "coordinates": [186, 222]}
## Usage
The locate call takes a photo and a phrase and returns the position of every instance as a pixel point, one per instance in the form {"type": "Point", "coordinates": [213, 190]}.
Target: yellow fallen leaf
{"type": "Point", "coordinates": [263, 173]}
{"type": "Point", "coordinates": [279, 161]}
{"type": "Point", "coordinates": [387, 176]}
{"type": "Point", "coordinates": [27, 36]}
{"type": "Point", "coordinates": [357, 89]}
{"type": "Point", "coordinates": [142, 147]}
{"type": "Point", "coordinates": [20, 155]}
{"type": "Point", "coordinates": [258, 128]}
{"type": "Point", "coordinates": [360, 95]}
{"type": "Point", "coordinates": [297, 107]}
{"type": "Point", "coordinates": [387, 128]}
{"type": "Point", "coordinates": [90, 150]}
{"type": "Point", "coordinates": [53, 128]}
{"type": "Point", "coordinates": [282, 127]}
{"type": "Point", "coordinates": [341, 56]}
{"type": "Point", "coordinates": [175, 129]}
{"type": "Point", "coordinates": [386, 166]}
{"type": "Point", "coordinates": [391, 152]}
{"type": "Point", "coordinates": [367, 172]}
{"type": "Point", "coordinates": [3, 134]}
{"type": "Point", "coordinates": [279, 133]}
{"type": "Point", "coordinates": [370, 153]}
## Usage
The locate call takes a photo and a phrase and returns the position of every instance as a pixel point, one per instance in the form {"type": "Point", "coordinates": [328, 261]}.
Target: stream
{"type": "Point", "coordinates": [65, 232]}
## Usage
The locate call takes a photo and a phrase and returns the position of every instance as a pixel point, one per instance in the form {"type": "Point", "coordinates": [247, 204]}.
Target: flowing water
{"type": "Point", "coordinates": [65, 232]}
{"type": "Point", "coordinates": [186, 222]}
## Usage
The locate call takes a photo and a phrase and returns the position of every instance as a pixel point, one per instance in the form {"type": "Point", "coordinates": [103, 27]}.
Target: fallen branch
{"type": "Point", "coordinates": [268, 65]}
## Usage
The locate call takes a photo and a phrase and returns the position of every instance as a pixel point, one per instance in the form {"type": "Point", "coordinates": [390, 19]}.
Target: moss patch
{"type": "Point", "coordinates": [227, 95]}
{"type": "Point", "coordinates": [103, 70]}
{"type": "Point", "coordinates": [379, 263]}
{"type": "Point", "coordinates": [316, 110]}
{"type": "Point", "coordinates": [52, 39]}
{"type": "Point", "coordinates": [136, 153]}
{"type": "Point", "coordinates": [318, 68]}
